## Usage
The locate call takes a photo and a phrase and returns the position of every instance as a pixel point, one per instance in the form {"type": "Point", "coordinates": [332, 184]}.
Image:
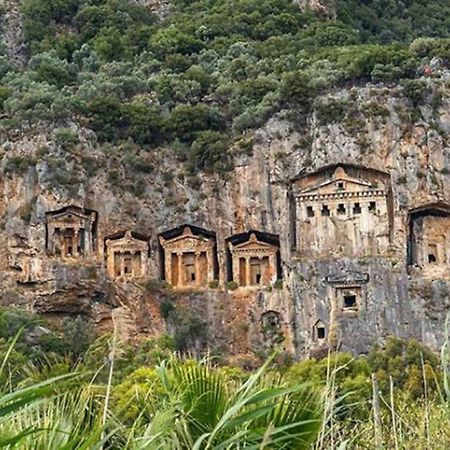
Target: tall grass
{"type": "Point", "coordinates": [197, 408]}
{"type": "Point", "coordinates": [192, 405]}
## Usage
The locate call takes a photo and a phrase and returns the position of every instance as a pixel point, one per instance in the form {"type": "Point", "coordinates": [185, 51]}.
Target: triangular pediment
{"type": "Point", "coordinates": [127, 240]}
{"type": "Point", "coordinates": [187, 241]}
{"type": "Point", "coordinates": [340, 182]}
{"type": "Point", "coordinates": [339, 185]}
{"type": "Point", "coordinates": [69, 217]}
{"type": "Point", "coordinates": [254, 244]}
{"type": "Point", "coordinates": [69, 213]}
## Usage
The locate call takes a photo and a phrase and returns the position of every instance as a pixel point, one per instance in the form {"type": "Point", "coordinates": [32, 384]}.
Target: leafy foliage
{"type": "Point", "coordinates": [211, 71]}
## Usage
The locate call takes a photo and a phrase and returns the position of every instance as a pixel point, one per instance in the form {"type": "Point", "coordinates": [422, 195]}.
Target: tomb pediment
{"type": "Point", "coordinates": [71, 215]}
{"type": "Point", "coordinates": [187, 241]}
{"type": "Point", "coordinates": [350, 278]}
{"type": "Point", "coordinates": [127, 242]}
{"type": "Point", "coordinates": [339, 185]}
{"type": "Point", "coordinates": [254, 245]}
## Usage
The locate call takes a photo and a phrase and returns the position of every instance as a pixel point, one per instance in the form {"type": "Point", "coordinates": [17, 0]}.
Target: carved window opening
{"type": "Point", "coordinates": [255, 271]}
{"type": "Point", "coordinates": [174, 271]}
{"type": "Point", "coordinates": [189, 268]}
{"type": "Point", "coordinates": [372, 206]}
{"type": "Point", "coordinates": [357, 208]}
{"type": "Point", "coordinates": [349, 301]}
{"type": "Point", "coordinates": [341, 185]}
{"type": "Point", "coordinates": [127, 264]}
{"type": "Point", "coordinates": [319, 331]}
{"type": "Point", "coordinates": [242, 272]}
{"type": "Point", "coordinates": [309, 211]}
{"type": "Point", "coordinates": [341, 209]}
{"type": "Point", "coordinates": [117, 264]}
{"type": "Point", "coordinates": [432, 254]}
{"type": "Point", "coordinates": [325, 211]}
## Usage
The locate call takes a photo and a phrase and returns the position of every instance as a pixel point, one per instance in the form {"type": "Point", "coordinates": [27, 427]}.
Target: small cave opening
{"type": "Point", "coordinates": [349, 301]}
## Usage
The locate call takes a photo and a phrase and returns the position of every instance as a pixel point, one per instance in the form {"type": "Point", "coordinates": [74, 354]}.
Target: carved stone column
{"type": "Point", "coordinates": [210, 265]}
{"type": "Point", "coordinates": [88, 240]}
{"type": "Point", "coordinates": [248, 273]}
{"type": "Point", "coordinates": [143, 264]}
{"type": "Point", "coordinates": [168, 266]}
{"type": "Point", "coordinates": [180, 270]}
{"type": "Point", "coordinates": [198, 279]}
{"type": "Point", "coordinates": [236, 261]}
{"type": "Point", "coordinates": [63, 243]}
{"type": "Point", "coordinates": [423, 251]}
{"type": "Point", "coordinates": [110, 258]}
{"type": "Point", "coordinates": [122, 264]}
{"type": "Point", "coordinates": [75, 242]}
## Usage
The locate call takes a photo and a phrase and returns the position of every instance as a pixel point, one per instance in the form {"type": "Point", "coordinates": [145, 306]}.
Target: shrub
{"type": "Point", "coordinates": [19, 164]}
{"type": "Point", "coordinates": [331, 111]}
{"type": "Point", "coordinates": [66, 138]}
{"type": "Point", "coordinates": [187, 120]}
{"type": "Point", "coordinates": [416, 90]}
{"type": "Point", "coordinates": [209, 152]}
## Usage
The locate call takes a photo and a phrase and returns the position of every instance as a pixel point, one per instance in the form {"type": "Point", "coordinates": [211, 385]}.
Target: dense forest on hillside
{"type": "Point", "coordinates": [202, 77]}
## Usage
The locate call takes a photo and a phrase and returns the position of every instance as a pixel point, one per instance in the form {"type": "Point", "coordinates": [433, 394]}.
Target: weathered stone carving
{"type": "Point", "coordinates": [342, 210]}
{"type": "Point", "coordinates": [346, 291]}
{"type": "Point", "coordinates": [429, 236]}
{"type": "Point", "coordinates": [71, 231]}
{"type": "Point", "coordinates": [348, 278]}
{"type": "Point", "coordinates": [254, 258]}
{"type": "Point", "coordinates": [126, 255]}
{"type": "Point", "coordinates": [189, 256]}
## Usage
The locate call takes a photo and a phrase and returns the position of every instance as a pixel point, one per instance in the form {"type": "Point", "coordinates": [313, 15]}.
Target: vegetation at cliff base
{"type": "Point", "coordinates": [63, 386]}
{"type": "Point", "coordinates": [209, 71]}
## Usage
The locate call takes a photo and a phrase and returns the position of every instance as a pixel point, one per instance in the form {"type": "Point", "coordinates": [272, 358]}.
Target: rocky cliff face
{"type": "Point", "coordinates": [334, 299]}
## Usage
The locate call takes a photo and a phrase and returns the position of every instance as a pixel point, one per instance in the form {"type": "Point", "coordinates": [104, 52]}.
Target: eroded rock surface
{"type": "Point", "coordinates": [374, 264]}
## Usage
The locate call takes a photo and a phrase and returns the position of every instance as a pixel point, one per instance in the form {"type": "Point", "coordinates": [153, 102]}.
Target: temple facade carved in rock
{"type": "Point", "coordinates": [126, 255]}
{"type": "Point", "coordinates": [189, 259]}
{"type": "Point", "coordinates": [342, 210]}
{"type": "Point", "coordinates": [429, 236]}
{"type": "Point", "coordinates": [335, 251]}
{"type": "Point", "coordinates": [71, 231]}
{"type": "Point", "coordinates": [254, 258]}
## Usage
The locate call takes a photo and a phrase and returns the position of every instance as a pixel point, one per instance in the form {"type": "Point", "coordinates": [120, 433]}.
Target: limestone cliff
{"type": "Point", "coordinates": [391, 277]}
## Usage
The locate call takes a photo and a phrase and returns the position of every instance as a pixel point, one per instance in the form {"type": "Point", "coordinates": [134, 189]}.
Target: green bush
{"type": "Point", "coordinates": [66, 138]}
